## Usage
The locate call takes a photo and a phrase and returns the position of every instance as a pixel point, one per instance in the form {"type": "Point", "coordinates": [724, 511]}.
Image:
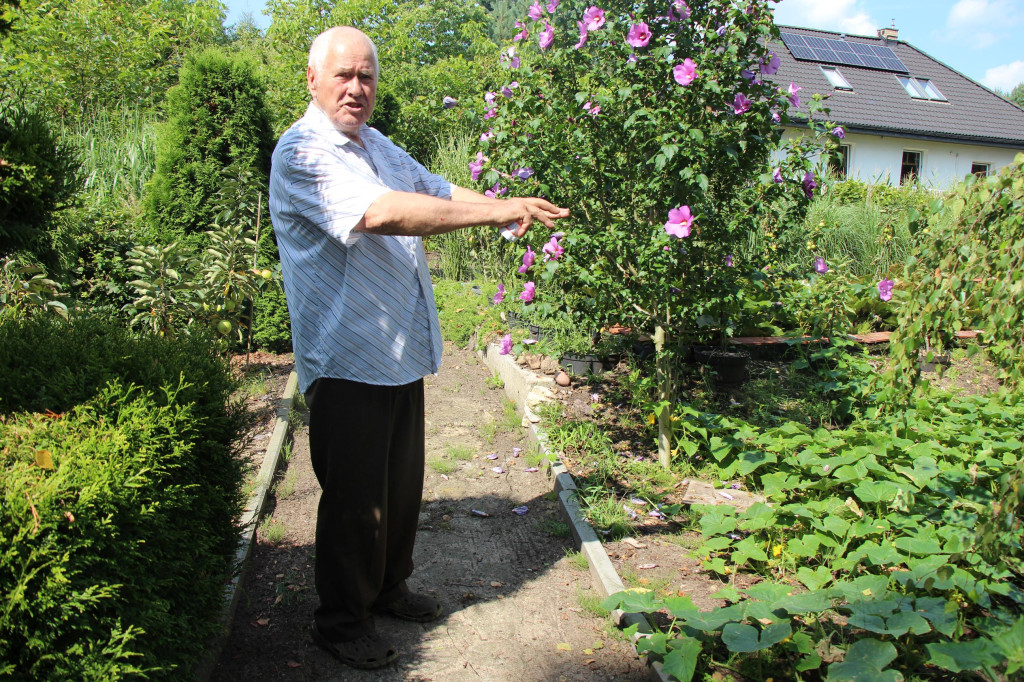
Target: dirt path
{"type": "Point", "coordinates": [515, 603]}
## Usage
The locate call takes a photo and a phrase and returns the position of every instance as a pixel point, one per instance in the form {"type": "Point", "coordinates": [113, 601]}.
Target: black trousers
{"type": "Point", "coordinates": [366, 445]}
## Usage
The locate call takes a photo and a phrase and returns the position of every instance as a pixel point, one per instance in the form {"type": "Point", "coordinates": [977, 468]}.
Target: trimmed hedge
{"type": "Point", "coordinates": [119, 497]}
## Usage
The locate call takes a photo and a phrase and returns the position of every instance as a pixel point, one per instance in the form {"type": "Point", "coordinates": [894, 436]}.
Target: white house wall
{"type": "Point", "coordinates": [878, 158]}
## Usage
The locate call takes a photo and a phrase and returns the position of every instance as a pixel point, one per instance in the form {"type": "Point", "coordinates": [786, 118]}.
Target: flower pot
{"type": "Point", "coordinates": [539, 333]}
{"type": "Point", "coordinates": [582, 364]}
{"type": "Point", "coordinates": [937, 360]}
{"type": "Point", "coordinates": [730, 367]}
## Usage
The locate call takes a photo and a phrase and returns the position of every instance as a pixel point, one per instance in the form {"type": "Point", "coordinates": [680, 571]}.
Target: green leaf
{"type": "Point", "coordinates": [681, 661]}
{"type": "Point", "coordinates": [958, 657]}
{"type": "Point", "coordinates": [865, 662]}
{"type": "Point", "coordinates": [741, 638]}
{"type": "Point", "coordinates": [1011, 644]}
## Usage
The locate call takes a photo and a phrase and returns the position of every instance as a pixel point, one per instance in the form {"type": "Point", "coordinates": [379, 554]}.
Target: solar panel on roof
{"type": "Point", "coordinates": [831, 51]}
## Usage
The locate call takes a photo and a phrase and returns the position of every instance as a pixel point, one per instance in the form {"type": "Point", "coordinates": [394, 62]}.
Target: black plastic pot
{"type": "Point", "coordinates": [582, 364]}
{"type": "Point", "coordinates": [540, 333]}
{"type": "Point", "coordinates": [730, 366]}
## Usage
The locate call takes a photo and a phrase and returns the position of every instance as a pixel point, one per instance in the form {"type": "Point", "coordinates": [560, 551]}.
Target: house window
{"type": "Point", "coordinates": [910, 170]}
{"type": "Point", "coordinates": [836, 78]}
{"type": "Point", "coordinates": [981, 169]}
{"type": "Point", "coordinates": [839, 165]}
{"type": "Point", "coordinates": [921, 88]}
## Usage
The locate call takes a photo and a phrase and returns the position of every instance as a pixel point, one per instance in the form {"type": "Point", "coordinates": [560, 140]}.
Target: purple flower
{"type": "Point", "coordinates": [528, 291]}
{"type": "Point", "coordinates": [493, 455]}
{"type": "Point", "coordinates": [809, 184]}
{"type": "Point", "coordinates": [728, 261]}
{"type": "Point", "coordinates": [535, 12]}
{"type": "Point", "coordinates": [839, 132]}
{"type": "Point", "coordinates": [520, 510]}
{"type": "Point", "coordinates": [507, 90]}
{"type": "Point", "coordinates": [497, 470]}
{"type": "Point", "coordinates": [591, 108]}
{"type": "Point", "coordinates": [547, 36]}
{"type": "Point", "coordinates": [523, 173]}
{"type": "Point", "coordinates": [679, 222]}
{"type": "Point", "coordinates": [793, 97]}
{"type": "Point", "coordinates": [740, 104]}
{"type": "Point", "coordinates": [553, 249]}
{"type": "Point", "coordinates": [583, 35]}
{"type": "Point", "coordinates": [679, 11]}
{"type": "Point", "coordinates": [505, 345]}
{"type": "Point", "coordinates": [777, 175]}
{"type": "Point", "coordinates": [488, 135]}
{"type": "Point", "coordinates": [748, 75]}
{"type": "Point", "coordinates": [531, 470]}
{"type": "Point", "coordinates": [516, 452]}
{"type": "Point", "coordinates": [523, 34]}
{"type": "Point", "coordinates": [528, 259]}
{"type": "Point", "coordinates": [489, 98]}
{"type": "Point", "coordinates": [820, 266]}
{"type": "Point", "coordinates": [593, 17]}
{"type": "Point", "coordinates": [496, 191]}
{"type": "Point", "coordinates": [639, 35]}
{"type": "Point", "coordinates": [491, 113]}
{"type": "Point", "coordinates": [655, 514]}
{"type": "Point", "coordinates": [509, 56]}
{"type": "Point", "coordinates": [777, 117]}
{"type": "Point", "coordinates": [631, 59]}
{"type": "Point", "coordinates": [552, 6]}
{"type": "Point", "coordinates": [449, 102]}
{"type": "Point", "coordinates": [477, 167]}
{"type": "Point", "coordinates": [721, 31]}
{"type": "Point", "coordinates": [685, 73]}
{"type": "Point", "coordinates": [885, 288]}
{"type": "Point", "coordinates": [771, 67]}
{"type": "Point", "coordinates": [500, 296]}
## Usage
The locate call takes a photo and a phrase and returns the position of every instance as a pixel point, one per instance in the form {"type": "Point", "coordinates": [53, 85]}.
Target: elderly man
{"type": "Point", "coordinates": [349, 209]}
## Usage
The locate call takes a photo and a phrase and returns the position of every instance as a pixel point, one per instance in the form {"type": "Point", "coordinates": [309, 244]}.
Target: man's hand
{"type": "Point", "coordinates": [530, 209]}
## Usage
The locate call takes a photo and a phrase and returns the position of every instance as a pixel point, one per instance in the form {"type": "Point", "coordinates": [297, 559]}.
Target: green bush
{"type": "Point", "coordinates": [217, 119]}
{"type": "Point", "coordinates": [38, 174]}
{"type": "Point", "coordinates": [120, 492]}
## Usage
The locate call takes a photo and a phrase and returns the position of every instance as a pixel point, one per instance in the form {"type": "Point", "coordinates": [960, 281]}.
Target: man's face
{"type": "Point", "coordinates": [345, 86]}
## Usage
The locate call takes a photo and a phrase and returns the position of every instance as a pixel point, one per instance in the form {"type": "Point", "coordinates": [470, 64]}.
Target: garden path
{"type": "Point", "coordinates": [515, 601]}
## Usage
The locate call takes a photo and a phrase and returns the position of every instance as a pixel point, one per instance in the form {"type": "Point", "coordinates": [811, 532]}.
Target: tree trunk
{"type": "Point", "coordinates": [665, 397]}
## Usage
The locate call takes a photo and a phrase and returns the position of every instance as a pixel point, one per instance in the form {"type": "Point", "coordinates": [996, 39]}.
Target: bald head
{"type": "Point", "coordinates": [342, 77]}
{"type": "Point", "coordinates": [339, 36]}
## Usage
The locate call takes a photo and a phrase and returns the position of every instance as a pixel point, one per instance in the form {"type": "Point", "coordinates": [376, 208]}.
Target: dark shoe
{"type": "Point", "coordinates": [366, 653]}
{"type": "Point", "coordinates": [419, 608]}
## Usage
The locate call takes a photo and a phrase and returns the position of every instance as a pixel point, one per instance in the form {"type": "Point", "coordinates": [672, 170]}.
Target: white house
{"type": "Point", "coordinates": [906, 115]}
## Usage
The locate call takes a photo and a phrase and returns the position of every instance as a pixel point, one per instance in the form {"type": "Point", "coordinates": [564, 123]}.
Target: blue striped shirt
{"type": "Point", "coordinates": [361, 305]}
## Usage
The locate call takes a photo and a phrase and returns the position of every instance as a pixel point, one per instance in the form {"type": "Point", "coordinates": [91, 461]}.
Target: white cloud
{"type": "Point", "coordinates": [847, 16]}
{"type": "Point", "coordinates": [982, 23]}
{"type": "Point", "coordinates": [1004, 77]}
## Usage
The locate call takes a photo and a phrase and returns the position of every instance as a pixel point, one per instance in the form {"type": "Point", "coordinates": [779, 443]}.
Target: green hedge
{"type": "Point", "coordinates": [119, 497]}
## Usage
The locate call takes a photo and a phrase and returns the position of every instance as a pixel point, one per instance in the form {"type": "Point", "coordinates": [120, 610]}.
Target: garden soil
{"type": "Point", "coordinates": [515, 602]}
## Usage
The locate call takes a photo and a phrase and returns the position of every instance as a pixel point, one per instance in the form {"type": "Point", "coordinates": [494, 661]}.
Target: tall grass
{"type": "Point", "coordinates": [476, 252]}
{"type": "Point", "coordinates": [867, 227]}
{"type": "Point", "coordinates": [118, 152]}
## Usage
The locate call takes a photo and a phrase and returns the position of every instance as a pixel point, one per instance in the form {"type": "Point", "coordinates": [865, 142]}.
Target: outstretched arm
{"type": "Point", "coordinates": [410, 214]}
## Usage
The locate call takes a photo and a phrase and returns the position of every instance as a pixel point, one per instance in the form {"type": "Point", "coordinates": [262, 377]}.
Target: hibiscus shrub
{"type": "Point", "coordinates": [654, 123]}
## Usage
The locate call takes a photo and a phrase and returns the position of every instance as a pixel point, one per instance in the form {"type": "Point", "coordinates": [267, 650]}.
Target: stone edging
{"type": "Point", "coordinates": [527, 390]}
{"type": "Point", "coordinates": [248, 522]}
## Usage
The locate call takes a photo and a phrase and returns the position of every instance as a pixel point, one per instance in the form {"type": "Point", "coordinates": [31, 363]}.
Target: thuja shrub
{"type": "Point", "coordinates": [217, 119]}
{"type": "Point", "coordinates": [119, 500]}
{"type": "Point", "coordinates": [38, 175]}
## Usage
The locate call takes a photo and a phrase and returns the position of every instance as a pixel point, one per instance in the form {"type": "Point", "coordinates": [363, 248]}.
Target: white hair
{"type": "Point", "coordinates": [322, 44]}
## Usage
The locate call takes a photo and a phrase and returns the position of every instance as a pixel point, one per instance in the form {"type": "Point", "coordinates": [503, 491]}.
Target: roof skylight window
{"type": "Point", "coordinates": [921, 88]}
{"type": "Point", "coordinates": [836, 78]}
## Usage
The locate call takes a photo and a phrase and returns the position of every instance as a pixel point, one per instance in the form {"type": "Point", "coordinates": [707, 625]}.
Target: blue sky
{"type": "Point", "coordinates": [979, 38]}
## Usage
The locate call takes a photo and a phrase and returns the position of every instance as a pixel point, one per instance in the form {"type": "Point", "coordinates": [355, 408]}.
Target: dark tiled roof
{"type": "Point", "coordinates": [878, 102]}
